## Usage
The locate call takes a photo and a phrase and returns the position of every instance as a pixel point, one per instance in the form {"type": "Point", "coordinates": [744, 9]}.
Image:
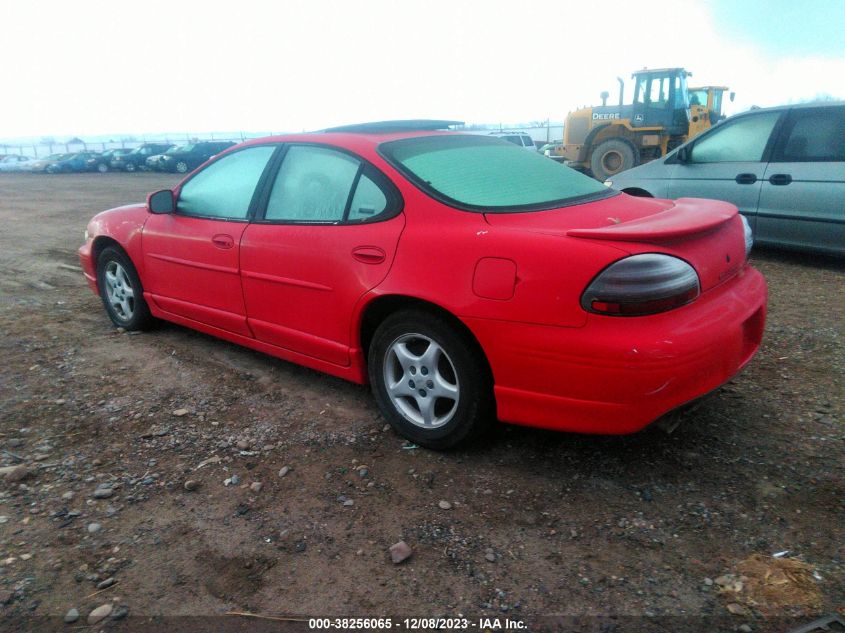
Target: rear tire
{"type": "Point", "coordinates": [130, 167]}
{"type": "Point", "coordinates": [102, 168]}
{"type": "Point", "coordinates": [431, 383]}
{"type": "Point", "coordinates": [611, 157]}
{"type": "Point", "coordinates": [121, 291]}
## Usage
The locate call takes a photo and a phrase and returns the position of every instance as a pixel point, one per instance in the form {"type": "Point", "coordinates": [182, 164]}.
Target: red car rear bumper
{"type": "Point", "coordinates": [616, 375]}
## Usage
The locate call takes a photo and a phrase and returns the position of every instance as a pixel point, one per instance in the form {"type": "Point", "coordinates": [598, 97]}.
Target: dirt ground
{"type": "Point", "coordinates": [636, 529]}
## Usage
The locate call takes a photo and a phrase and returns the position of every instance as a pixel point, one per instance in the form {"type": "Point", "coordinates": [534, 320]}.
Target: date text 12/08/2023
{"type": "Point", "coordinates": [417, 624]}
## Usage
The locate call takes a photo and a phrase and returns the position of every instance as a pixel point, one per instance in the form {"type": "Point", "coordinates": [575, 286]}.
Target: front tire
{"type": "Point", "coordinates": [130, 167]}
{"type": "Point", "coordinates": [429, 380]}
{"type": "Point", "coordinates": [121, 291]}
{"type": "Point", "coordinates": [611, 157]}
{"type": "Point", "coordinates": [102, 168]}
{"type": "Point", "coordinates": [181, 167]}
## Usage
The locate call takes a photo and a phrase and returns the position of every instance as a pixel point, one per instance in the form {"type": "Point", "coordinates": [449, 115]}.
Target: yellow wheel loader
{"type": "Point", "coordinates": [604, 140]}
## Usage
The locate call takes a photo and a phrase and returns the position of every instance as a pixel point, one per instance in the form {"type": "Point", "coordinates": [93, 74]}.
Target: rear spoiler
{"type": "Point", "coordinates": [688, 216]}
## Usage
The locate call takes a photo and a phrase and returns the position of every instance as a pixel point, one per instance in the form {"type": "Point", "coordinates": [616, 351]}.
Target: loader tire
{"type": "Point", "coordinates": [611, 157]}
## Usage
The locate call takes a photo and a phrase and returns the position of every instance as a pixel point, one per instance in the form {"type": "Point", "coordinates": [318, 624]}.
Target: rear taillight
{"type": "Point", "coordinates": [641, 284]}
{"type": "Point", "coordinates": [748, 234]}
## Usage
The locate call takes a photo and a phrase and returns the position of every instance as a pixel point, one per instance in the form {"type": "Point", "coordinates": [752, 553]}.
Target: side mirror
{"type": "Point", "coordinates": [732, 96]}
{"type": "Point", "coordinates": [161, 202]}
{"type": "Point", "coordinates": [684, 154]}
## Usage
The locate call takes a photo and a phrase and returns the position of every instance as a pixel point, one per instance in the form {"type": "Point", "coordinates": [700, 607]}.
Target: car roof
{"type": "Point", "coordinates": [401, 125]}
{"type": "Point", "coordinates": [793, 106]}
{"type": "Point", "coordinates": [371, 134]}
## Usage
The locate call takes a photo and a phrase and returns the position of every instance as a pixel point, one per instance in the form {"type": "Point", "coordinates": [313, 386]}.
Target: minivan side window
{"type": "Point", "coordinates": [813, 135]}
{"type": "Point", "coordinates": [742, 140]}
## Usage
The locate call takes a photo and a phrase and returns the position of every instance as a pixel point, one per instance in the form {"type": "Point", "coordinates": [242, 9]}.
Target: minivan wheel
{"type": "Point", "coordinates": [121, 291]}
{"type": "Point", "coordinates": [181, 167]}
{"type": "Point", "coordinates": [429, 381]}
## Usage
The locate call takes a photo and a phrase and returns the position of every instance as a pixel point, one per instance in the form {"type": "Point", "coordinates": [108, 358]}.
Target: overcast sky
{"type": "Point", "coordinates": [81, 67]}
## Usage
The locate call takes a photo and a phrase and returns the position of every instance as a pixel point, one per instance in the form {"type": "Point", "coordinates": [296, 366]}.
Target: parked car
{"type": "Point", "coordinates": [68, 163]}
{"type": "Point", "coordinates": [462, 277]}
{"type": "Point", "coordinates": [155, 162]}
{"type": "Point", "coordinates": [137, 158]}
{"type": "Point", "coordinates": [41, 164]}
{"type": "Point", "coordinates": [783, 167]}
{"type": "Point", "coordinates": [188, 157]}
{"type": "Point", "coordinates": [552, 151]}
{"type": "Point", "coordinates": [519, 139]}
{"type": "Point", "coordinates": [101, 162]}
{"type": "Point", "coordinates": [13, 162]}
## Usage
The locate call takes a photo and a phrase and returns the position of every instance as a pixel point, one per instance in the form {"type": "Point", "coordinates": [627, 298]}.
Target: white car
{"type": "Point", "coordinates": [517, 138]}
{"type": "Point", "coordinates": [13, 162]}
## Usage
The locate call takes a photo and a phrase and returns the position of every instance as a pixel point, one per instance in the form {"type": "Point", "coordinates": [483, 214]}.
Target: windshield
{"type": "Point", "coordinates": [179, 150]}
{"type": "Point", "coordinates": [698, 97]}
{"type": "Point", "coordinates": [487, 174]}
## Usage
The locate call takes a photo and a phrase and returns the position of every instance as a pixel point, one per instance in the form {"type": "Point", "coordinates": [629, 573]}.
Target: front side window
{"type": "Point", "coordinates": [815, 135]}
{"type": "Point", "coordinates": [478, 173]}
{"type": "Point", "coordinates": [225, 188]}
{"type": "Point", "coordinates": [743, 140]}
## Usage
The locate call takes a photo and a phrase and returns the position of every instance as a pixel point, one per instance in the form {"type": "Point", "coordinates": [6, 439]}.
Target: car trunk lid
{"type": "Point", "coordinates": [706, 233]}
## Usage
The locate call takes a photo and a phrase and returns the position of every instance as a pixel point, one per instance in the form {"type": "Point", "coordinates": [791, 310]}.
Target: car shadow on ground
{"type": "Point", "coordinates": [793, 258]}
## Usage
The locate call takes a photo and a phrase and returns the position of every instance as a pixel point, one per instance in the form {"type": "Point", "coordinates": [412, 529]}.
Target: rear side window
{"type": "Point", "coordinates": [317, 184]}
{"type": "Point", "coordinates": [313, 185]}
{"type": "Point", "coordinates": [225, 188]}
{"type": "Point", "coordinates": [478, 173]}
{"type": "Point", "coordinates": [526, 140]}
{"type": "Point", "coordinates": [742, 140]}
{"type": "Point", "coordinates": [813, 135]}
{"type": "Point", "coordinates": [369, 200]}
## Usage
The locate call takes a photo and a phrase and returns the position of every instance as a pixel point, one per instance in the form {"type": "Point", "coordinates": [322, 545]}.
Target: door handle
{"type": "Point", "coordinates": [223, 241]}
{"type": "Point", "coordinates": [746, 179]}
{"type": "Point", "coordinates": [369, 254]}
{"type": "Point", "coordinates": [780, 179]}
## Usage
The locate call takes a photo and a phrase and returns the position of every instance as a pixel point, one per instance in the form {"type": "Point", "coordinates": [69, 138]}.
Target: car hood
{"type": "Point", "coordinates": [707, 233]}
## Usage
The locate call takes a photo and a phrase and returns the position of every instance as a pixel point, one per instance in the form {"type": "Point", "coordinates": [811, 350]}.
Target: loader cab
{"type": "Point", "coordinates": [710, 97]}
{"type": "Point", "coordinates": [661, 100]}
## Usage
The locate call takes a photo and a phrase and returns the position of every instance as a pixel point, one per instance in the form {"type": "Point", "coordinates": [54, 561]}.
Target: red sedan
{"type": "Point", "coordinates": [465, 279]}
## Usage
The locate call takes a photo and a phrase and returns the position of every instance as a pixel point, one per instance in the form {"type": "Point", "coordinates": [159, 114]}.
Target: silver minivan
{"type": "Point", "coordinates": [784, 168]}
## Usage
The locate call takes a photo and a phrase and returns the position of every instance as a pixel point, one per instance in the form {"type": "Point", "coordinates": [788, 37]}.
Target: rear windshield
{"type": "Point", "coordinates": [479, 173]}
